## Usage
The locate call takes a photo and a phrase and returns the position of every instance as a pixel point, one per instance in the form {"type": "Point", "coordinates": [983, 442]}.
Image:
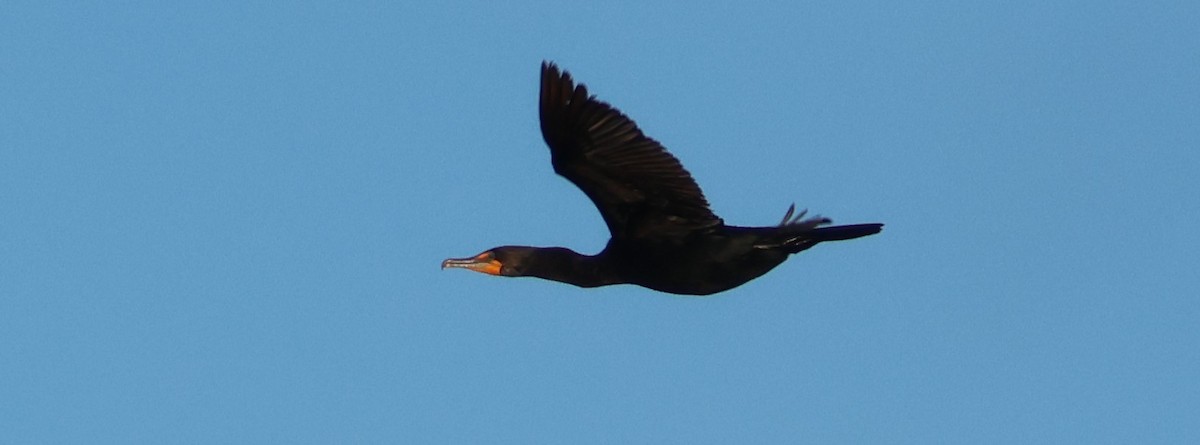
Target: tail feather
{"type": "Point", "coordinates": [802, 241]}
{"type": "Point", "coordinates": [797, 233]}
{"type": "Point", "coordinates": [839, 233]}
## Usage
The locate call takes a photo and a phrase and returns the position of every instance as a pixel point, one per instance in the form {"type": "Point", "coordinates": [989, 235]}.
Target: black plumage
{"type": "Point", "coordinates": [663, 234]}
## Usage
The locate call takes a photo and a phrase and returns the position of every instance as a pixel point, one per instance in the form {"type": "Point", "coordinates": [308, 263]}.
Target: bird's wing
{"type": "Point", "coordinates": [639, 188]}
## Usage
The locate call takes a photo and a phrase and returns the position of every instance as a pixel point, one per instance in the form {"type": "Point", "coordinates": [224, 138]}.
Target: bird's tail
{"type": "Point", "coordinates": [838, 233]}
{"type": "Point", "coordinates": [797, 234]}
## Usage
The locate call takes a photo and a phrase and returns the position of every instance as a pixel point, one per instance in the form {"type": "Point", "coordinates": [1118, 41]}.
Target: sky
{"type": "Point", "coordinates": [222, 222]}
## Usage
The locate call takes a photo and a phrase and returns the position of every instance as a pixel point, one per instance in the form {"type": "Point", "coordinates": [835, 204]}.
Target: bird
{"type": "Point", "coordinates": [663, 235]}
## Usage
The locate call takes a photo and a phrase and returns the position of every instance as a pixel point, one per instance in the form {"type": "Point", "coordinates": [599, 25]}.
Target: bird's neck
{"type": "Point", "coordinates": [567, 266]}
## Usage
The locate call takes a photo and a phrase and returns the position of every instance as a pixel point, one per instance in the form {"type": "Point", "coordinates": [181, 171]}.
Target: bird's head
{"type": "Point", "coordinates": [509, 261]}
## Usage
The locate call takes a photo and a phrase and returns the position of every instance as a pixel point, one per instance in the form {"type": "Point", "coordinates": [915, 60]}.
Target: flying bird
{"type": "Point", "coordinates": [663, 234]}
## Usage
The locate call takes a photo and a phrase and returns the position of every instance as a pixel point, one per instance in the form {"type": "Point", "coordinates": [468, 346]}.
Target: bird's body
{"type": "Point", "coordinates": [664, 236]}
{"type": "Point", "coordinates": [701, 263]}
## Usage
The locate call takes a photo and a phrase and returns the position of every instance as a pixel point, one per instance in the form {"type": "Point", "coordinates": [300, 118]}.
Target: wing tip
{"type": "Point", "coordinates": [553, 75]}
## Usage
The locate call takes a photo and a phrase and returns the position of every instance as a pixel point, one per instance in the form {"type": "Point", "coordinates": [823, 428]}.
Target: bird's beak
{"type": "Point", "coordinates": [485, 262]}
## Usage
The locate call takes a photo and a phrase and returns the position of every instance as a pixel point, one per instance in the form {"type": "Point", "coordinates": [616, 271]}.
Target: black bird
{"type": "Point", "coordinates": [664, 236]}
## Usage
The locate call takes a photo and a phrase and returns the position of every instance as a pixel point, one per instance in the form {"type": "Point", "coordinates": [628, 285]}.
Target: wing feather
{"type": "Point", "coordinates": [639, 188]}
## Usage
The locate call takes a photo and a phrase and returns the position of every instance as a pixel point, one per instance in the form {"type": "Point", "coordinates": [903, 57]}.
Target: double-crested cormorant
{"type": "Point", "coordinates": [664, 236]}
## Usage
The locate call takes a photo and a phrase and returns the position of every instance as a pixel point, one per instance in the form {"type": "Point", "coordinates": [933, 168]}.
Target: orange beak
{"type": "Point", "coordinates": [485, 262]}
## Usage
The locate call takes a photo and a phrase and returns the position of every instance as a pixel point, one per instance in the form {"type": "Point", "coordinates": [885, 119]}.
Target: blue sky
{"type": "Point", "coordinates": [222, 223]}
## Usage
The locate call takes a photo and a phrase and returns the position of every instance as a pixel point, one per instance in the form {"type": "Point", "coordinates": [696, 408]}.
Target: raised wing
{"type": "Point", "coordinates": [639, 188]}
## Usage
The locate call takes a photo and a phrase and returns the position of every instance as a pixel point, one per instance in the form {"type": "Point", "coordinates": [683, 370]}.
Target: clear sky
{"type": "Point", "coordinates": [221, 222]}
